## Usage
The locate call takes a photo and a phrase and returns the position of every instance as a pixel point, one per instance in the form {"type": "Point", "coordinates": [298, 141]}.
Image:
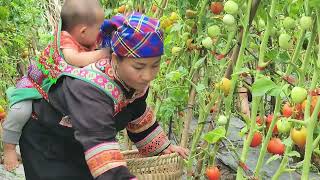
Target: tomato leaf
{"type": "Point", "coordinates": [174, 76]}
{"type": "Point", "coordinates": [176, 27]}
{"type": "Point", "coordinates": [293, 154]}
{"type": "Point", "coordinates": [215, 135]}
{"type": "Point", "coordinates": [261, 86]}
{"type": "Point", "coordinates": [275, 91]}
{"type": "Point", "coordinates": [243, 131]}
{"type": "Point", "coordinates": [199, 62]}
{"type": "Point", "coordinates": [314, 3]}
{"type": "Point", "coordinates": [287, 142]}
{"type": "Point", "coordinates": [273, 158]}
{"type": "Point", "coordinates": [200, 87]}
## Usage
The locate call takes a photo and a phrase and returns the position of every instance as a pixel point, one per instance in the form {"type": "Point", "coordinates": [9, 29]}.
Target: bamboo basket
{"type": "Point", "coordinates": [164, 167]}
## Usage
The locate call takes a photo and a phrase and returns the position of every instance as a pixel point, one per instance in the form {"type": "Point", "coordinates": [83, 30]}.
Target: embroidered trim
{"type": "Point", "coordinates": [154, 143]}
{"type": "Point", "coordinates": [143, 122]}
{"type": "Point", "coordinates": [104, 157]}
{"type": "Point", "coordinates": [101, 147]}
{"type": "Point", "coordinates": [40, 90]}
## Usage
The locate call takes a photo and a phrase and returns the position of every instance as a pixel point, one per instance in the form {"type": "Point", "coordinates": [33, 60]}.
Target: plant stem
{"type": "Point", "coordinates": [263, 149]}
{"type": "Point", "coordinates": [247, 142]}
{"type": "Point", "coordinates": [256, 100]}
{"type": "Point", "coordinates": [283, 163]}
{"type": "Point", "coordinates": [229, 41]}
{"type": "Point", "coordinates": [307, 55]}
{"type": "Point", "coordinates": [297, 51]}
{"type": "Point", "coordinates": [311, 123]}
{"type": "Point", "coordinates": [188, 117]}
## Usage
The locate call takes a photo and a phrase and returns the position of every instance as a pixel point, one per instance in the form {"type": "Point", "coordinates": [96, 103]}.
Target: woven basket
{"type": "Point", "coordinates": [164, 167]}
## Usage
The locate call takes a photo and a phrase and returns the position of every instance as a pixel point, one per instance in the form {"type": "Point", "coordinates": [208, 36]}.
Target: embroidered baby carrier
{"type": "Point", "coordinates": [50, 66]}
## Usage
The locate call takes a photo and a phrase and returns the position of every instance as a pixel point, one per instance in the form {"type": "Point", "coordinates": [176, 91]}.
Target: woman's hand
{"type": "Point", "coordinates": [183, 152]}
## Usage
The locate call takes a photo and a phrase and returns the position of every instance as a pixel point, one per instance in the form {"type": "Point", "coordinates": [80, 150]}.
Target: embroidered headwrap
{"type": "Point", "coordinates": [136, 36]}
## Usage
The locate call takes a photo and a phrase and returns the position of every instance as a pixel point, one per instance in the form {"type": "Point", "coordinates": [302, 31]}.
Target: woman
{"type": "Point", "coordinates": [71, 135]}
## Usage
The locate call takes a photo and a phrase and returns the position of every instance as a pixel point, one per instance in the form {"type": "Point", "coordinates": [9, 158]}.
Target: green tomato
{"type": "Point", "coordinates": [298, 94]}
{"type": "Point", "coordinates": [214, 31]}
{"type": "Point", "coordinates": [288, 23]}
{"type": "Point", "coordinates": [306, 22]}
{"type": "Point", "coordinates": [176, 50]}
{"type": "Point", "coordinates": [284, 41]}
{"type": "Point", "coordinates": [222, 120]}
{"type": "Point", "coordinates": [284, 125]}
{"type": "Point", "coordinates": [228, 19]}
{"type": "Point", "coordinates": [231, 7]}
{"type": "Point", "coordinates": [261, 23]}
{"type": "Point", "coordinates": [207, 42]}
{"type": "Point", "coordinates": [185, 36]}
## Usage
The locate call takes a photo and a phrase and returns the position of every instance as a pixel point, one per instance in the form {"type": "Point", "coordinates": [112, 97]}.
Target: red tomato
{"type": "Point", "coordinates": [216, 7]}
{"type": "Point", "coordinates": [268, 122]}
{"type": "Point", "coordinates": [213, 173]}
{"type": "Point", "coordinates": [256, 140]}
{"type": "Point", "coordinates": [287, 110]}
{"type": "Point", "coordinates": [259, 121]}
{"type": "Point", "coordinates": [275, 146]}
{"type": "Point", "coordinates": [219, 56]}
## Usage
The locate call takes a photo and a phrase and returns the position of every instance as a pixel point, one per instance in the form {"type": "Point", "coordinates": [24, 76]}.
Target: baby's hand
{"type": "Point", "coordinates": [105, 52]}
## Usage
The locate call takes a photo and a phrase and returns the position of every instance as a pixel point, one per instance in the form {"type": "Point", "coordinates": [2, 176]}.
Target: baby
{"type": "Point", "coordinates": [81, 21]}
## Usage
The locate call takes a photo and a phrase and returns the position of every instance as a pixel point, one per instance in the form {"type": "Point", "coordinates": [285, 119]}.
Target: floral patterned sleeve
{"type": "Point", "coordinates": [144, 130]}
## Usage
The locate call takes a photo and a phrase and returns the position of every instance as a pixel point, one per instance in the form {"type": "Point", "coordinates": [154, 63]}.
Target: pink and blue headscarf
{"type": "Point", "coordinates": [135, 36]}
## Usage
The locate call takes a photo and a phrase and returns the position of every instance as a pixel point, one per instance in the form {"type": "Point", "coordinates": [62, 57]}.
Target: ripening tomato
{"type": "Point", "coordinates": [256, 140]}
{"type": "Point", "coordinates": [268, 123]}
{"type": "Point", "coordinates": [2, 115]}
{"type": "Point", "coordinates": [313, 104]}
{"type": "Point", "coordinates": [299, 136]}
{"type": "Point", "coordinates": [284, 125]}
{"type": "Point", "coordinates": [154, 8]}
{"type": "Point", "coordinates": [1, 109]}
{"type": "Point", "coordinates": [275, 146]}
{"type": "Point", "coordinates": [298, 94]}
{"type": "Point", "coordinates": [259, 121]}
{"type": "Point", "coordinates": [122, 9]}
{"type": "Point", "coordinates": [224, 85]}
{"type": "Point", "coordinates": [287, 110]}
{"type": "Point", "coordinates": [213, 173]}
{"type": "Point", "coordinates": [216, 7]}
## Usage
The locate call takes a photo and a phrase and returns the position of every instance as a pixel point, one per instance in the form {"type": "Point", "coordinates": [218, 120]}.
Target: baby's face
{"type": "Point", "coordinates": [92, 32]}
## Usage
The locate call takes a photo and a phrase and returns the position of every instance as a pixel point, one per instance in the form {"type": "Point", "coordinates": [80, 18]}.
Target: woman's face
{"type": "Point", "coordinates": [137, 73]}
